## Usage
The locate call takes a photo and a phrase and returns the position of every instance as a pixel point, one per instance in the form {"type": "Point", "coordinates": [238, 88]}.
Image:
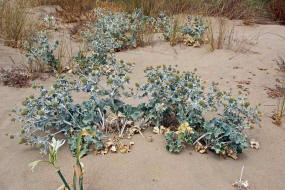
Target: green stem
{"type": "Point", "coordinates": [81, 175]}
{"type": "Point", "coordinates": [74, 178]}
{"type": "Point", "coordinates": [81, 183]}
{"type": "Point", "coordinates": [63, 179]}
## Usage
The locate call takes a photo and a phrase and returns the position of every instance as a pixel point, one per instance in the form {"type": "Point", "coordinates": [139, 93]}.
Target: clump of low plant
{"type": "Point", "coordinates": [170, 29]}
{"type": "Point", "coordinates": [176, 98]}
{"type": "Point", "coordinates": [119, 30]}
{"type": "Point", "coordinates": [279, 113]}
{"type": "Point", "coordinates": [15, 77]}
{"type": "Point", "coordinates": [191, 32]}
{"type": "Point", "coordinates": [54, 112]}
{"type": "Point", "coordinates": [112, 32]}
{"type": "Point", "coordinates": [41, 56]}
{"type": "Point", "coordinates": [177, 140]}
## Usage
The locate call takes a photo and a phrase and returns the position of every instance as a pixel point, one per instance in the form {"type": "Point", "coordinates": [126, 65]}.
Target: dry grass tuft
{"type": "Point", "coordinates": [222, 36]}
{"type": "Point", "coordinates": [175, 36]}
{"type": "Point", "coordinates": [153, 8]}
{"type": "Point", "coordinates": [247, 10]}
{"type": "Point", "coordinates": [238, 43]}
{"type": "Point", "coordinates": [232, 9]}
{"type": "Point", "coordinates": [210, 35]}
{"type": "Point", "coordinates": [222, 30]}
{"type": "Point", "coordinates": [15, 27]}
{"type": "Point", "coordinates": [216, 41]}
{"type": "Point", "coordinates": [277, 10]}
{"type": "Point", "coordinates": [78, 10]}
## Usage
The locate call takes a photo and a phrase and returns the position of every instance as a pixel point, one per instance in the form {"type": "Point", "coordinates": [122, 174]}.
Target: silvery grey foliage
{"type": "Point", "coordinates": [41, 52]}
{"type": "Point", "coordinates": [193, 27]}
{"type": "Point", "coordinates": [118, 30]}
{"type": "Point", "coordinates": [164, 24]}
{"type": "Point", "coordinates": [54, 111]}
{"type": "Point", "coordinates": [112, 32]}
{"type": "Point", "coordinates": [175, 98]}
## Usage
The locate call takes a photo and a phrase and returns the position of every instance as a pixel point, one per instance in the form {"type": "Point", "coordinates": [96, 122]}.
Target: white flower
{"type": "Point", "coordinates": [50, 21]}
{"type": "Point", "coordinates": [56, 144]}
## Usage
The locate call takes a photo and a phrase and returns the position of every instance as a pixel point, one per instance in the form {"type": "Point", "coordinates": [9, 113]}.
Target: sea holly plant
{"type": "Point", "coordinates": [177, 140]}
{"type": "Point", "coordinates": [50, 113]}
{"type": "Point", "coordinates": [54, 111]}
{"type": "Point", "coordinates": [40, 54]}
{"type": "Point", "coordinates": [176, 98]}
{"type": "Point", "coordinates": [112, 32]}
{"type": "Point", "coordinates": [191, 32]}
{"type": "Point", "coordinates": [118, 30]}
{"type": "Point", "coordinates": [163, 24]}
{"type": "Point", "coordinates": [233, 118]}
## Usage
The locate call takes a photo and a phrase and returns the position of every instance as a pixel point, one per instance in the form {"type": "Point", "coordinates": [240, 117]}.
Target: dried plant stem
{"type": "Point", "coordinates": [141, 134]}
{"type": "Point", "coordinates": [103, 120]}
{"type": "Point", "coordinates": [222, 30]}
{"type": "Point", "coordinates": [123, 128]}
{"type": "Point", "coordinates": [210, 35]}
{"type": "Point", "coordinates": [241, 173]}
{"type": "Point", "coordinates": [200, 138]}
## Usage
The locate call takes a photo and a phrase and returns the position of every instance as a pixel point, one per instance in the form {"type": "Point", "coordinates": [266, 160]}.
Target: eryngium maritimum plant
{"type": "Point", "coordinates": [53, 111]}
{"type": "Point", "coordinates": [176, 98]}
{"type": "Point", "coordinates": [41, 53]}
{"type": "Point", "coordinates": [118, 30]}
{"type": "Point", "coordinates": [191, 31]}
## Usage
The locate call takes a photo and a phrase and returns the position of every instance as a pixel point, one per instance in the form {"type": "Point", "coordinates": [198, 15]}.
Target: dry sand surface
{"type": "Point", "coordinates": [149, 166]}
